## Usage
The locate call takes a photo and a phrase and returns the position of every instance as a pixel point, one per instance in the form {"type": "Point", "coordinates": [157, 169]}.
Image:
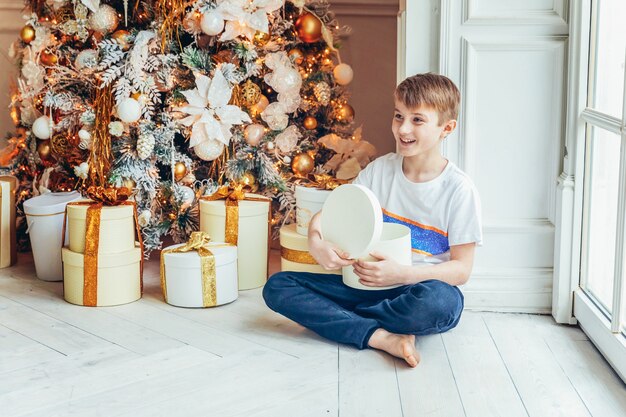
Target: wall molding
{"type": "Point", "coordinates": [557, 15]}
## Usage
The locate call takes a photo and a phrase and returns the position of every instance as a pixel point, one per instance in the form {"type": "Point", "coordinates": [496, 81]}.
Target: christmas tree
{"type": "Point", "coordinates": [173, 98]}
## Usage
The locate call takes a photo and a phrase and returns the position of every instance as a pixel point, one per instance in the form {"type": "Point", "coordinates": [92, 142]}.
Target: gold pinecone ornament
{"type": "Point", "coordinates": [145, 146]}
{"type": "Point", "coordinates": [322, 93]}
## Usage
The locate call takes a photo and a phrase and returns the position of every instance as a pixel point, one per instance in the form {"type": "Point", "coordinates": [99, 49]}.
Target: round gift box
{"type": "Point", "coordinates": [252, 243]}
{"type": "Point", "coordinates": [309, 201]}
{"type": "Point", "coordinates": [117, 228]}
{"type": "Point", "coordinates": [119, 277]}
{"type": "Point", "coordinates": [394, 243]}
{"type": "Point", "coordinates": [352, 219]}
{"type": "Point", "coordinates": [183, 276]}
{"type": "Point", "coordinates": [294, 253]}
{"type": "Point", "coordinates": [44, 216]}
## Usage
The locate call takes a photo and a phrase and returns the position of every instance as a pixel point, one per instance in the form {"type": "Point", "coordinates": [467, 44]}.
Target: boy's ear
{"type": "Point", "coordinates": [448, 128]}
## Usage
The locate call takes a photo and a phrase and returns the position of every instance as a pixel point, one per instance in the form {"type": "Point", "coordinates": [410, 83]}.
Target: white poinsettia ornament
{"type": "Point", "coordinates": [210, 116]}
{"type": "Point", "coordinates": [245, 17]}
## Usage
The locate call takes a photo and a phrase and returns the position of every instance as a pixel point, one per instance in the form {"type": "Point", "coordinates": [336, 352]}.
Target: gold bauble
{"type": "Point", "coordinates": [248, 178]}
{"type": "Point", "coordinates": [250, 94]}
{"type": "Point", "coordinates": [261, 38]}
{"type": "Point", "coordinates": [180, 170]}
{"type": "Point", "coordinates": [48, 58]}
{"type": "Point", "coordinates": [309, 27]}
{"type": "Point", "coordinates": [309, 123]}
{"type": "Point", "coordinates": [129, 183]}
{"type": "Point", "coordinates": [302, 164]}
{"type": "Point", "coordinates": [61, 145]}
{"type": "Point", "coordinates": [44, 149]}
{"type": "Point", "coordinates": [27, 34]}
{"type": "Point", "coordinates": [297, 56]}
{"type": "Point", "coordinates": [123, 38]}
{"type": "Point", "coordinates": [344, 113]}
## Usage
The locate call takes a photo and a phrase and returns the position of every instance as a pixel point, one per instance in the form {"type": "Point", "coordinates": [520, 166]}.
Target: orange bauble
{"type": "Point", "coordinates": [309, 28]}
{"type": "Point", "coordinates": [48, 58]}
{"type": "Point", "coordinates": [310, 123]}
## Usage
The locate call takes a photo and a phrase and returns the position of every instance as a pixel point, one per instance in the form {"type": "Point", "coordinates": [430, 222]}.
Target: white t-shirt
{"type": "Point", "coordinates": [441, 212]}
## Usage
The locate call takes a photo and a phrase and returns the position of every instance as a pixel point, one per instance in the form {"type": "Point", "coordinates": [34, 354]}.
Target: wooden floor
{"type": "Point", "coordinates": [150, 359]}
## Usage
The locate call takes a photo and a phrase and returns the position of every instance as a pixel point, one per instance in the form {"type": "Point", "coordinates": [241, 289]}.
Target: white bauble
{"type": "Point", "coordinates": [42, 128]}
{"type": "Point", "coordinates": [86, 59]}
{"type": "Point", "coordinates": [253, 134]}
{"type": "Point", "coordinates": [343, 74]}
{"type": "Point", "coordinates": [105, 20]}
{"type": "Point", "coordinates": [209, 150]}
{"type": "Point", "coordinates": [188, 196]}
{"type": "Point", "coordinates": [287, 160]}
{"type": "Point", "coordinates": [211, 24]}
{"type": "Point", "coordinates": [129, 110]}
{"type": "Point", "coordinates": [84, 134]}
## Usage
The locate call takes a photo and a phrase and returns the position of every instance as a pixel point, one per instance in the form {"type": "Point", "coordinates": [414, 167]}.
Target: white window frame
{"type": "Point", "coordinates": [570, 302]}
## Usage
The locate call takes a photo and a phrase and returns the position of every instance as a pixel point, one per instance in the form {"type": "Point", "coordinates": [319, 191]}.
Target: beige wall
{"type": "Point", "coordinates": [11, 23]}
{"type": "Point", "coordinates": [371, 50]}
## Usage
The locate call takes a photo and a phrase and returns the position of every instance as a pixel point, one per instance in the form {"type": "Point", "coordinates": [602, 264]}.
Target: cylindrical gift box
{"type": "Point", "coordinates": [44, 216]}
{"type": "Point", "coordinates": [252, 243]}
{"type": "Point", "coordinates": [294, 253]}
{"type": "Point", "coordinates": [394, 243]}
{"type": "Point", "coordinates": [309, 201]}
{"type": "Point", "coordinates": [183, 276]}
{"type": "Point", "coordinates": [119, 277]}
{"type": "Point", "coordinates": [117, 228]}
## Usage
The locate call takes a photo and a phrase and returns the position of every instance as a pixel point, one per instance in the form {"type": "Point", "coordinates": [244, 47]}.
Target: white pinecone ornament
{"type": "Point", "coordinates": [145, 146]}
{"type": "Point", "coordinates": [322, 92]}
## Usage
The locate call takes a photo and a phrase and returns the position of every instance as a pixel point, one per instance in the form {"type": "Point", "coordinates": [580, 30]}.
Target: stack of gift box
{"type": "Point", "coordinates": [294, 247]}
{"type": "Point", "coordinates": [102, 265]}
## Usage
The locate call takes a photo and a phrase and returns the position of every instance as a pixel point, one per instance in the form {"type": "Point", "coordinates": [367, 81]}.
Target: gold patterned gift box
{"type": "Point", "coordinates": [294, 253]}
{"type": "Point", "coordinates": [309, 201]}
{"type": "Point", "coordinates": [199, 273]}
{"type": "Point", "coordinates": [241, 219]}
{"type": "Point", "coordinates": [8, 248]}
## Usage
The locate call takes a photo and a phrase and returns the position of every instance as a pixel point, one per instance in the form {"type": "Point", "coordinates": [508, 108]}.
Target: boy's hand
{"type": "Point", "coordinates": [382, 273]}
{"type": "Point", "coordinates": [328, 256]}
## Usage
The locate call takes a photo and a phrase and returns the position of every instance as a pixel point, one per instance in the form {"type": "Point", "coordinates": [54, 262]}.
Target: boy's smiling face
{"type": "Point", "coordinates": [417, 131]}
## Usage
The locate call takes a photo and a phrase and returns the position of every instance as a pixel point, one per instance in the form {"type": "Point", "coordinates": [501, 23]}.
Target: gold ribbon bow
{"type": "Point", "coordinates": [197, 242]}
{"type": "Point", "coordinates": [320, 181]}
{"type": "Point", "coordinates": [102, 197]}
{"type": "Point", "coordinates": [232, 195]}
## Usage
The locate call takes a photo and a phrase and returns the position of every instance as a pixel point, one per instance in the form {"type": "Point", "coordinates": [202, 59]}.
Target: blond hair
{"type": "Point", "coordinates": [431, 90]}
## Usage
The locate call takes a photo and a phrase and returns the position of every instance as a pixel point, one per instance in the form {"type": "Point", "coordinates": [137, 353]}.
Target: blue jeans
{"type": "Point", "coordinates": [335, 311]}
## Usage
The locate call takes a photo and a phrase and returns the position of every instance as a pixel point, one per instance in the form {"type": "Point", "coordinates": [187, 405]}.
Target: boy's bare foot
{"type": "Point", "coordinates": [399, 345]}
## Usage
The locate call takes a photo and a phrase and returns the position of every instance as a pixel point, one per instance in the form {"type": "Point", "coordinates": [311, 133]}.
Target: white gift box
{"type": "Point", "coordinates": [352, 218]}
{"type": "Point", "coordinates": [118, 280]}
{"type": "Point", "coordinates": [309, 201]}
{"type": "Point", "coordinates": [44, 216]}
{"type": "Point", "coordinates": [117, 228]}
{"type": "Point", "coordinates": [294, 253]}
{"type": "Point", "coordinates": [252, 243]}
{"type": "Point", "coordinates": [183, 281]}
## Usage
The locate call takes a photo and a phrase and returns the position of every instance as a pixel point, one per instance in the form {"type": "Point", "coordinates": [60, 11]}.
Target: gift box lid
{"type": "Point", "coordinates": [291, 239]}
{"type": "Point", "coordinates": [352, 219]}
{"type": "Point", "coordinates": [311, 194]}
{"type": "Point", "coordinates": [223, 253]}
{"type": "Point", "coordinates": [247, 208]}
{"type": "Point", "coordinates": [49, 203]}
{"type": "Point", "coordinates": [105, 260]}
{"type": "Point", "coordinates": [122, 211]}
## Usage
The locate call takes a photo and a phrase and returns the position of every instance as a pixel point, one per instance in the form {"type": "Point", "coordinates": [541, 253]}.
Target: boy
{"type": "Point", "coordinates": [416, 187]}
